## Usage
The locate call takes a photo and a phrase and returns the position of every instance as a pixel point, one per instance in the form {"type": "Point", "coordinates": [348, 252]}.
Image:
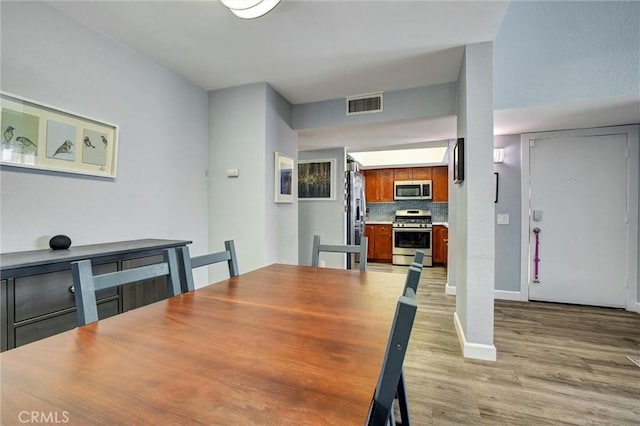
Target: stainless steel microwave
{"type": "Point", "coordinates": [412, 190]}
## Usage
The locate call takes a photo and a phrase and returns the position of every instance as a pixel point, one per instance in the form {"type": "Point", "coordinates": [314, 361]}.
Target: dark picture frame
{"type": "Point", "coordinates": [458, 161]}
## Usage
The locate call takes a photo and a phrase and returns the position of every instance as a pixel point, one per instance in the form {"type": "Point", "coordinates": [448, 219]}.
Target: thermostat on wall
{"type": "Point", "coordinates": [232, 173]}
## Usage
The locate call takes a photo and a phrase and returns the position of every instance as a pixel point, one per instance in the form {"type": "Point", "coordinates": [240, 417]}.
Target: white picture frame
{"type": "Point", "coordinates": [283, 178]}
{"type": "Point", "coordinates": [317, 180]}
{"type": "Point", "coordinates": [39, 136]}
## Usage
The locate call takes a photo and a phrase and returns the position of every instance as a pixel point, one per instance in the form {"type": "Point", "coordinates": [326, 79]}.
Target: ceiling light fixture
{"type": "Point", "coordinates": [402, 157]}
{"type": "Point", "coordinates": [250, 9]}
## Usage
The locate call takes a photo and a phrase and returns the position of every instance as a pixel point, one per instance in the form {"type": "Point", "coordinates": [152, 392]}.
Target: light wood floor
{"type": "Point", "coordinates": [557, 364]}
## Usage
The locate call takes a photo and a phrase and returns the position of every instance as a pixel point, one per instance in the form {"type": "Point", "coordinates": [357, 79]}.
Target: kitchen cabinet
{"type": "Point", "coordinates": [379, 248]}
{"type": "Point", "coordinates": [379, 185]}
{"type": "Point", "coordinates": [440, 184]}
{"type": "Point", "coordinates": [412, 173]}
{"type": "Point", "coordinates": [370, 233]}
{"type": "Point", "coordinates": [440, 245]}
{"type": "Point", "coordinates": [36, 300]}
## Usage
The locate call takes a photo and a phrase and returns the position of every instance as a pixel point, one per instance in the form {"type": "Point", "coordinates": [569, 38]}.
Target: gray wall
{"type": "Point", "coordinates": [324, 218]}
{"type": "Point", "coordinates": [507, 269]}
{"type": "Point", "coordinates": [562, 51]}
{"type": "Point", "coordinates": [161, 187]}
{"type": "Point", "coordinates": [246, 125]}
{"type": "Point", "coordinates": [281, 220]}
{"type": "Point", "coordinates": [430, 101]}
{"type": "Point", "coordinates": [237, 205]}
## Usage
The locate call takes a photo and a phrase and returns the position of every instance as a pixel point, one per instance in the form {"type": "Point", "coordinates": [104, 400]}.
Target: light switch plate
{"type": "Point", "coordinates": [503, 219]}
{"type": "Point", "coordinates": [537, 215]}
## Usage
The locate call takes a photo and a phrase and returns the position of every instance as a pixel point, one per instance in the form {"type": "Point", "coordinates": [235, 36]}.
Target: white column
{"type": "Point", "coordinates": [474, 214]}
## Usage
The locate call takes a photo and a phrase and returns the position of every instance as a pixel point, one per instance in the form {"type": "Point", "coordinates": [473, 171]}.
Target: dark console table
{"type": "Point", "coordinates": [36, 299]}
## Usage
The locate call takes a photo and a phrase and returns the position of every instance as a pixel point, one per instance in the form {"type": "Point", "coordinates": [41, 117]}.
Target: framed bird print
{"type": "Point", "coordinates": [39, 136]}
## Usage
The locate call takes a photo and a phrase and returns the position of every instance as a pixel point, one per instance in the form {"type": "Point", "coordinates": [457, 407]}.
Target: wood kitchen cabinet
{"type": "Point", "coordinates": [379, 185]}
{"type": "Point", "coordinates": [379, 249]}
{"type": "Point", "coordinates": [412, 173]}
{"type": "Point", "coordinates": [440, 245]}
{"type": "Point", "coordinates": [440, 184]}
{"type": "Point", "coordinates": [36, 298]}
{"type": "Point", "coordinates": [370, 233]}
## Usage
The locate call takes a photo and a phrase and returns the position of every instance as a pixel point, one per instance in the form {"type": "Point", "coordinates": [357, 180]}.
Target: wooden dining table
{"type": "Point", "coordinates": [280, 345]}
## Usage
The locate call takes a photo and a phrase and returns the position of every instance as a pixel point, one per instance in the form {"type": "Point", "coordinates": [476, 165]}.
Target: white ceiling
{"type": "Point", "coordinates": [317, 50]}
{"type": "Point", "coordinates": [307, 50]}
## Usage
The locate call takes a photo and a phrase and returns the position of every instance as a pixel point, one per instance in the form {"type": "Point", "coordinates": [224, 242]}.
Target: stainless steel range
{"type": "Point", "coordinates": [412, 230]}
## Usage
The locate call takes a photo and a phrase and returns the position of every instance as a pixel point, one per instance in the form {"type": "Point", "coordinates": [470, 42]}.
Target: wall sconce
{"type": "Point", "coordinates": [498, 155]}
{"type": "Point", "coordinates": [250, 9]}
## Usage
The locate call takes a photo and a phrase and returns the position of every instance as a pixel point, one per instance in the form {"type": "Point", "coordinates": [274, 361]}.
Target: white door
{"type": "Point", "coordinates": [578, 191]}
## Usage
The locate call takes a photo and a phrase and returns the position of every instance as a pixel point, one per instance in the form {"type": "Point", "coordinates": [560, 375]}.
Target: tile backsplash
{"type": "Point", "coordinates": [387, 211]}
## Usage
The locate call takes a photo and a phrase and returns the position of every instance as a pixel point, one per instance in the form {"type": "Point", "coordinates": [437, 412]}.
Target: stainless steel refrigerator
{"type": "Point", "coordinates": [356, 209]}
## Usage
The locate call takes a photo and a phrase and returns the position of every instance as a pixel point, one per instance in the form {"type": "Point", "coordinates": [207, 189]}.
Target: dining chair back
{"type": "Point", "coordinates": [413, 278]}
{"type": "Point", "coordinates": [391, 375]}
{"type": "Point", "coordinates": [85, 284]}
{"type": "Point", "coordinates": [227, 255]}
{"type": "Point", "coordinates": [418, 258]}
{"type": "Point", "coordinates": [334, 248]}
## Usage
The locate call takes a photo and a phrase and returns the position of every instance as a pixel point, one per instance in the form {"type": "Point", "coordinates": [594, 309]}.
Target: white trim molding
{"type": "Point", "coordinates": [450, 289]}
{"type": "Point", "coordinates": [473, 350]}
{"type": "Point", "coordinates": [516, 296]}
{"type": "Point", "coordinates": [509, 295]}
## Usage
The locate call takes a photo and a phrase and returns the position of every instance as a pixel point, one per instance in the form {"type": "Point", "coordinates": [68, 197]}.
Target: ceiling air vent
{"type": "Point", "coordinates": [364, 104]}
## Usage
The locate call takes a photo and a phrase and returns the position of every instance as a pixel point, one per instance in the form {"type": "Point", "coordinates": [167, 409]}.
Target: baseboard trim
{"type": "Point", "coordinates": [635, 307]}
{"type": "Point", "coordinates": [473, 350]}
{"type": "Point", "coordinates": [497, 294]}
{"type": "Point", "coordinates": [507, 295]}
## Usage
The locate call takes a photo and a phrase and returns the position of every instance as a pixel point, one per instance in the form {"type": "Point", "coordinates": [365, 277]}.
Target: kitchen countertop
{"type": "Point", "coordinates": [445, 224]}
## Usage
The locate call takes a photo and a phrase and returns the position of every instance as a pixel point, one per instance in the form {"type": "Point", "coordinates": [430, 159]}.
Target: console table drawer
{"type": "Point", "coordinates": [41, 294]}
{"type": "Point", "coordinates": [48, 327]}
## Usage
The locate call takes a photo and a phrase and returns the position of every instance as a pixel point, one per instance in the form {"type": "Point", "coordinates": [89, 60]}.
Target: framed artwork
{"type": "Point", "coordinates": [39, 136]}
{"type": "Point", "coordinates": [316, 179]}
{"type": "Point", "coordinates": [283, 179]}
{"type": "Point", "coordinates": [458, 161]}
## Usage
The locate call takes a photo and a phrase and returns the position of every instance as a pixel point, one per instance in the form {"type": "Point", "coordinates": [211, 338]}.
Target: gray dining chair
{"type": "Point", "coordinates": [85, 284]}
{"type": "Point", "coordinates": [335, 248]}
{"type": "Point", "coordinates": [227, 255]}
{"type": "Point", "coordinates": [418, 259]}
{"type": "Point", "coordinates": [391, 375]}
{"type": "Point", "coordinates": [414, 272]}
{"type": "Point", "coordinates": [413, 278]}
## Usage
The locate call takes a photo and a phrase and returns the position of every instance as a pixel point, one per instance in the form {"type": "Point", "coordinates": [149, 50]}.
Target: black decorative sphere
{"type": "Point", "coordinates": [60, 242]}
